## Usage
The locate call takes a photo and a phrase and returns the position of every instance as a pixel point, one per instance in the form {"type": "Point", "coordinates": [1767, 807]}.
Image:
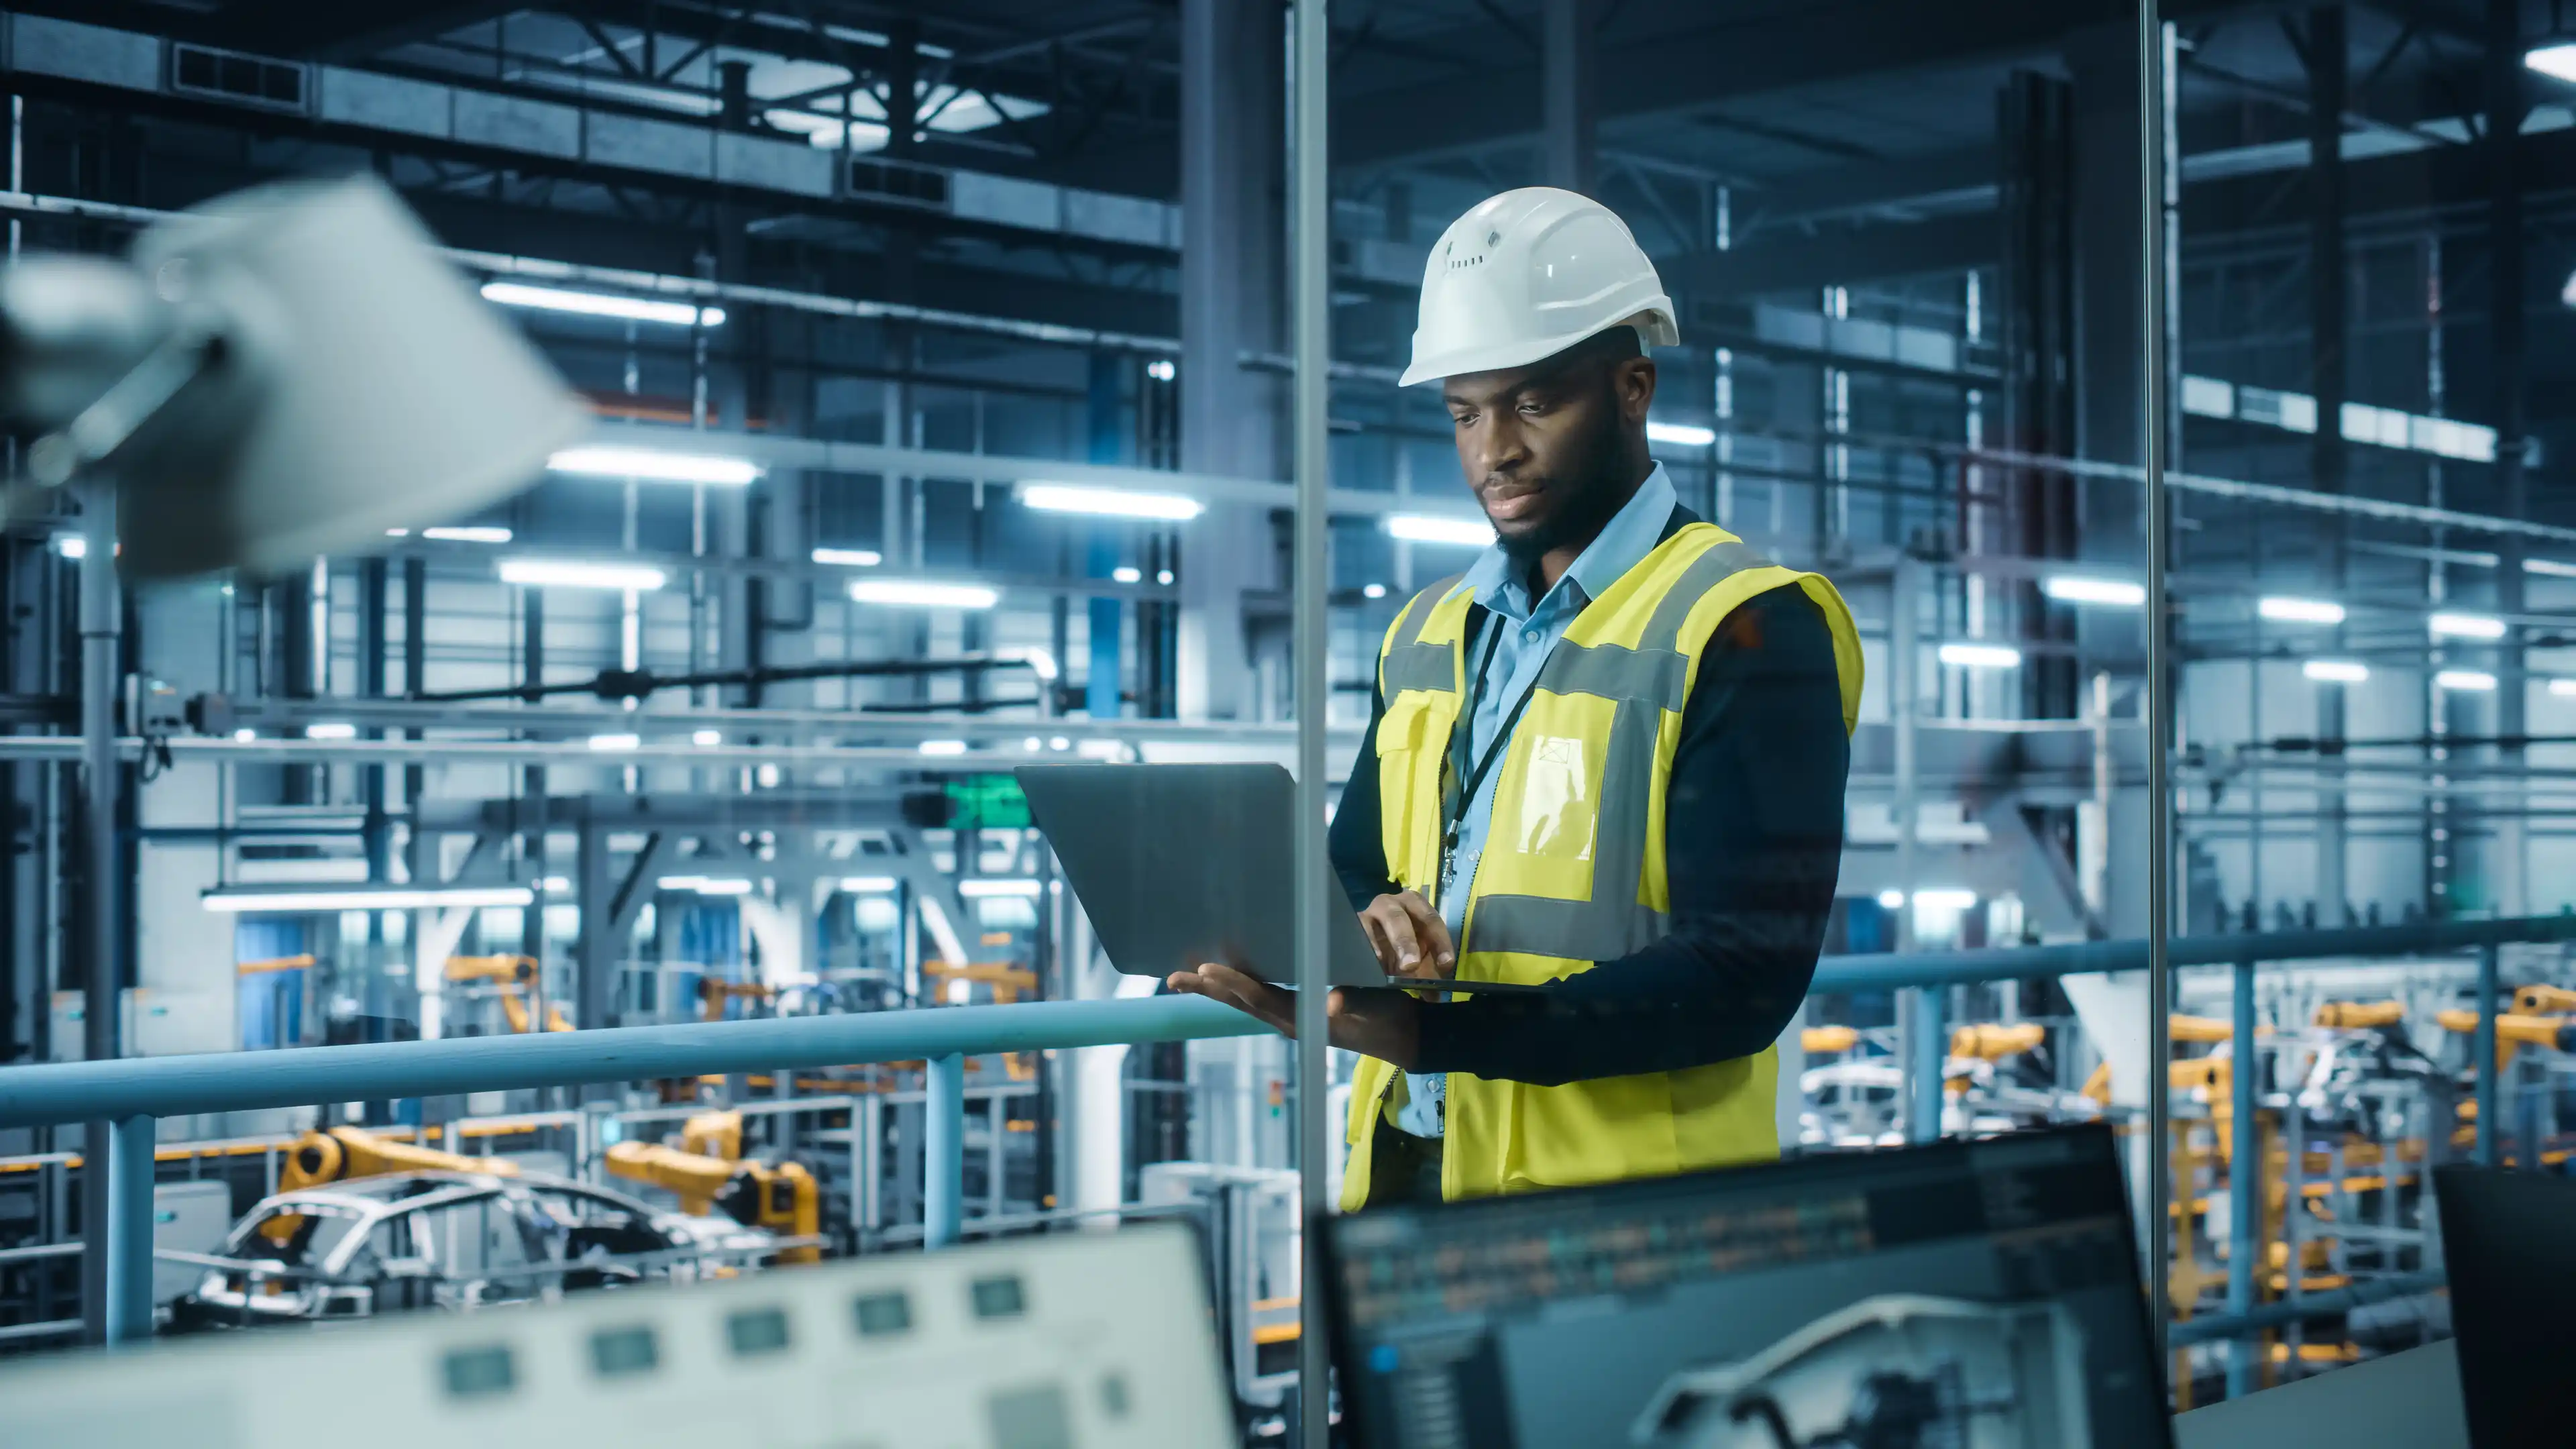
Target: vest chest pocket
{"type": "Point", "coordinates": [1412, 746]}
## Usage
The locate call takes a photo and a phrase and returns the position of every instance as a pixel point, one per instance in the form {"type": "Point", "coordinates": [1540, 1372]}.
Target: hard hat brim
{"type": "Point", "coordinates": [1654, 324]}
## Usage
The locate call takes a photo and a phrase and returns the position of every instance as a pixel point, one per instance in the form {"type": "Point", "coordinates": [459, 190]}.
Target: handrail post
{"type": "Point", "coordinates": [129, 1230]}
{"type": "Point", "coordinates": [1929, 1059]}
{"type": "Point", "coordinates": [2244, 1181]}
{"type": "Point", "coordinates": [943, 1162]}
{"type": "Point", "coordinates": [2490, 1130]}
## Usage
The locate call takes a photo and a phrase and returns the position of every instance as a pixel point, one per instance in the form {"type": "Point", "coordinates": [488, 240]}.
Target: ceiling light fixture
{"type": "Point", "coordinates": [2336, 671]}
{"type": "Point", "coordinates": [857, 558]}
{"type": "Point", "coordinates": [1971, 655]}
{"type": "Point", "coordinates": [577, 574]}
{"type": "Point", "coordinates": [2469, 681]}
{"type": "Point", "coordinates": [923, 594]}
{"type": "Point", "coordinates": [470, 534]}
{"type": "Point", "coordinates": [1109, 502]}
{"type": "Point", "coordinates": [2465, 626]}
{"type": "Point", "coordinates": [2078, 589]}
{"type": "Point", "coordinates": [603, 304]}
{"type": "Point", "coordinates": [2300, 611]}
{"type": "Point", "coordinates": [1685, 435]}
{"type": "Point", "coordinates": [1432, 528]}
{"type": "Point", "coordinates": [363, 898]}
{"type": "Point", "coordinates": [655, 465]}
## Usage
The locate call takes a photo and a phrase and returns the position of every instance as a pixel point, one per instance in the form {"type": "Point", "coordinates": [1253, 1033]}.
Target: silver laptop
{"type": "Point", "coordinates": [1177, 865]}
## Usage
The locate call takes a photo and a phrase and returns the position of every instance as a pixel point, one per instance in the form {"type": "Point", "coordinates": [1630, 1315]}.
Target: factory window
{"type": "Point", "coordinates": [616, 1352]}
{"type": "Point", "coordinates": [1030, 1419]}
{"type": "Point", "coordinates": [999, 1298]}
{"type": "Point", "coordinates": [474, 1373]}
{"type": "Point", "coordinates": [881, 1314]}
{"type": "Point", "coordinates": [756, 1331]}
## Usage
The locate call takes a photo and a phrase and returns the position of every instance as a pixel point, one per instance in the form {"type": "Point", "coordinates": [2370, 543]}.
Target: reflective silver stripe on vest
{"type": "Point", "coordinates": [1412, 664]}
{"type": "Point", "coordinates": [1714, 567]}
{"type": "Point", "coordinates": [1612, 923]}
{"type": "Point", "coordinates": [1647, 676]}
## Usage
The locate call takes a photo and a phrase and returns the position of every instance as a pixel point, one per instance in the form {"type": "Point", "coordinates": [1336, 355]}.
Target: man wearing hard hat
{"type": "Point", "coordinates": [1608, 758]}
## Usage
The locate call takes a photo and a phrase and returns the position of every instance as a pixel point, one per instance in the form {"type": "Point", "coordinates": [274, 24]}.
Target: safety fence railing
{"type": "Point", "coordinates": [129, 1095]}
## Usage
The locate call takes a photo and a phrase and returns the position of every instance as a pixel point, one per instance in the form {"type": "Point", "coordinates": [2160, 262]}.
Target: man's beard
{"type": "Point", "coordinates": [1589, 504]}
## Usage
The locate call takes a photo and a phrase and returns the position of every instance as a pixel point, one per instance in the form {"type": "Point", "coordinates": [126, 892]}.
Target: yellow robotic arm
{"type": "Point", "coordinates": [784, 1198]}
{"type": "Point", "coordinates": [343, 1153]}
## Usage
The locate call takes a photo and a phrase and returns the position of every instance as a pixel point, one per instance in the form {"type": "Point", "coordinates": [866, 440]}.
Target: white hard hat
{"type": "Point", "coordinates": [1528, 274]}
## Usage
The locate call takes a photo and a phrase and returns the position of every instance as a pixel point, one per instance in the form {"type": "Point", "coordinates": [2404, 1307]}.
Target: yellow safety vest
{"type": "Point", "coordinates": [1573, 867]}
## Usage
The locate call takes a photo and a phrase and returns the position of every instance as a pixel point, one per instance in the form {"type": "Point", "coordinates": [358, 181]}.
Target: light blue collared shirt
{"type": "Point", "coordinates": [1530, 632]}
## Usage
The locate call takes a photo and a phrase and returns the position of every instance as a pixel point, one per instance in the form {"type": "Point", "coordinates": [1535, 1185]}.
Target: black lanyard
{"type": "Point", "coordinates": [1462, 741]}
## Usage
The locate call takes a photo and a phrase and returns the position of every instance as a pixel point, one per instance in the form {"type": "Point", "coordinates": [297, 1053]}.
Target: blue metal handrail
{"type": "Point", "coordinates": [246, 1081]}
{"type": "Point", "coordinates": [129, 1094]}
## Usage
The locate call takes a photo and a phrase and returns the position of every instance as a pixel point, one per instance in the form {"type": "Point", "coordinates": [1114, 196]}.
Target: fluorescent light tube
{"type": "Point", "coordinates": [331, 730]}
{"type": "Point", "coordinates": [603, 304]}
{"type": "Point", "coordinates": [2558, 62]}
{"type": "Point", "coordinates": [705, 885]}
{"type": "Point", "coordinates": [857, 558]}
{"type": "Point", "coordinates": [2300, 611]}
{"type": "Point", "coordinates": [474, 534]}
{"type": "Point", "coordinates": [1127, 574]}
{"type": "Point", "coordinates": [576, 574]}
{"type": "Point", "coordinates": [1429, 528]}
{"type": "Point", "coordinates": [2473, 681]}
{"type": "Point", "coordinates": [1981, 656]}
{"type": "Point", "coordinates": [922, 594]}
{"type": "Point", "coordinates": [609, 743]}
{"type": "Point", "coordinates": [2336, 671]}
{"type": "Point", "coordinates": [655, 465]}
{"type": "Point", "coordinates": [868, 885]}
{"type": "Point", "coordinates": [2077, 589]}
{"type": "Point", "coordinates": [1686, 435]}
{"type": "Point", "coordinates": [2466, 626]}
{"type": "Point", "coordinates": [988, 887]}
{"type": "Point", "coordinates": [1109, 502]}
{"type": "Point", "coordinates": [943, 747]}
{"type": "Point", "coordinates": [706, 738]}
{"type": "Point", "coordinates": [365, 898]}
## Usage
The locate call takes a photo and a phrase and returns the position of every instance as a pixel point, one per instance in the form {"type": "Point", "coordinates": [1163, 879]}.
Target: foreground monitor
{"type": "Point", "coordinates": [2505, 1244]}
{"type": "Point", "coordinates": [1075, 1341]}
{"type": "Point", "coordinates": [1967, 1295]}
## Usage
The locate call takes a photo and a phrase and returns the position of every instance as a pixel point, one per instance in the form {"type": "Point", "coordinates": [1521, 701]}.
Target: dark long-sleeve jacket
{"type": "Point", "coordinates": [1752, 841]}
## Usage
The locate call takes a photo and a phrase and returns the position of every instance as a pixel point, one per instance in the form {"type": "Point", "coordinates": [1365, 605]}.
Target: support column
{"type": "Point", "coordinates": [2109, 233]}
{"type": "Point", "coordinates": [944, 1162]}
{"type": "Point", "coordinates": [101, 628]}
{"type": "Point", "coordinates": [2329, 330]}
{"type": "Point", "coordinates": [1568, 109]}
{"type": "Point", "coordinates": [128, 1242]}
{"type": "Point", "coordinates": [597, 950]}
{"type": "Point", "coordinates": [2507, 869]}
{"type": "Point", "coordinates": [2038, 395]}
{"type": "Point", "coordinates": [1233, 183]}
{"type": "Point", "coordinates": [1107, 407]}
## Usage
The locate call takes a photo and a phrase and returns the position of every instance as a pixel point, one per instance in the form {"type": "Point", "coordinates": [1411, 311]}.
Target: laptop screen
{"type": "Point", "coordinates": [1966, 1294]}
